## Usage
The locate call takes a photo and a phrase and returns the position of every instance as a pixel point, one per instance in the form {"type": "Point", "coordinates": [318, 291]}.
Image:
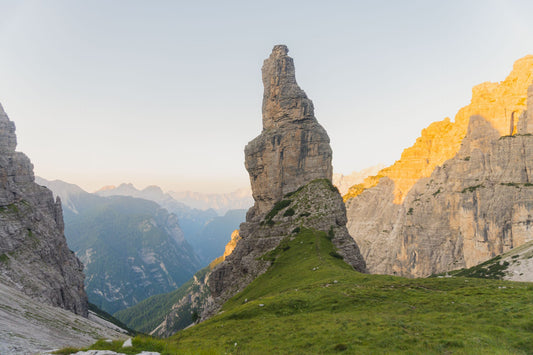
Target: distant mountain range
{"type": "Point", "coordinates": [206, 230]}
{"type": "Point", "coordinates": [221, 203]}
{"type": "Point", "coordinates": [131, 247]}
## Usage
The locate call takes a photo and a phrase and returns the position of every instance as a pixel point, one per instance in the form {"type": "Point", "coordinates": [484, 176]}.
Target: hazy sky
{"type": "Point", "coordinates": [169, 92]}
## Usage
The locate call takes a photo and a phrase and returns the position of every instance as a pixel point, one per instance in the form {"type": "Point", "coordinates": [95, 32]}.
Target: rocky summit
{"type": "Point", "coordinates": [34, 256]}
{"type": "Point", "coordinates": [290, 172]}
{"type": "Point", "coordinates": [293, 148]}
{"type": "Point", "coordinates": [473, 207]}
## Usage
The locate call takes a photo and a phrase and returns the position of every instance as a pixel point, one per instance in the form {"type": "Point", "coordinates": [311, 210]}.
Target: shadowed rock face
{"type": "Point", "coordinates": [34, 256]}
{"type": "Point", "coordinates": [293, 148]}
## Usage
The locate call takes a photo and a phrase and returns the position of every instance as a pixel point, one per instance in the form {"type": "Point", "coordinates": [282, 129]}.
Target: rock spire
{"type": "Point", "coordinates": [290, 169]}
{"type": "Point", "coordinates": [293, 148]}
{"type": "Point", "coordinates": [290, 172]}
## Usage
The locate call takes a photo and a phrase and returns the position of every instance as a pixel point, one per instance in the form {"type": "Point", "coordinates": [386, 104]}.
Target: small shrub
{"type": "Point", "coordinates": [335, 255]}
{"type": "Point", "coordinates": [410, 212]}
{"type": "Point", "coordinates": [305, 214]}
{"type": "Point", "coordinates": [472, 188]}
{"type": "Point", "coordinates": [467, 158]}
{"type": "Point", "coordinates": [289, 212]}
{"type": "Point", "coordinates": [331, 233]}
{"type": "Point", "coordinates": [4, 258]}
{"type": "Point", "coordinates": [194, 316]}
{"type": "Point", "coordinates": [340, 347]}
{"type": "Point", "coordinates": [436, 193]}
{"type": "Point", "coordinates": [277, 207]}
{"type": "Point", "coordinates": [514, 184]}
{"type": "Point", "coordinates": [296, 230]}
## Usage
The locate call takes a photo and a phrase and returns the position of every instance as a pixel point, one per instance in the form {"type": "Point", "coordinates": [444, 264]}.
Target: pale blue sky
{"type": "Point", "coordinates": [169, 92]}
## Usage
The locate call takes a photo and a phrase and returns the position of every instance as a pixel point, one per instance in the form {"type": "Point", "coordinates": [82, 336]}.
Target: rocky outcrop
{"type": "Point", "coordinates": [34, 256]}
{"type": "Point", "coordinates": [293, 148]}
{"type": "Point", "coordinates": [499, 103]}
{"type": "Point", "coordinates": [317, 205]}
{"type": "Point", "coordinates": [290, 172]}
{"type": "Point", "coordinates": [471, 208]}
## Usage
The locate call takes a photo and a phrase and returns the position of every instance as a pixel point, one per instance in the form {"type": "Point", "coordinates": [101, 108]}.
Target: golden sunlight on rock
{"type": "Point", "coordinates": [499, 103]}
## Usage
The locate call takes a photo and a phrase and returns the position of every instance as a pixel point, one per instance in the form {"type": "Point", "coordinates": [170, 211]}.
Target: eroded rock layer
{"type": "Point", "coordinates": [34, 256]}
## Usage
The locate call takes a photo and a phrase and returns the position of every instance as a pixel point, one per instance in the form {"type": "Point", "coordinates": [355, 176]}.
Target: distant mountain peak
{"type": "Point", "coordinates": [106, 187]}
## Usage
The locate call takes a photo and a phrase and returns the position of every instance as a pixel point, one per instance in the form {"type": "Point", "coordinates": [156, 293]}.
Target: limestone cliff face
{"type": "Point", "coordinates": [34, 256]}
{"type": "Point", "coordinates": [475, 206]}
{"type": "Point", "coordinates": [293, 148]}
{"type": "Point", "coordinates": [501, 104]}
{"type": "Point", "coordinates": [290, 172]}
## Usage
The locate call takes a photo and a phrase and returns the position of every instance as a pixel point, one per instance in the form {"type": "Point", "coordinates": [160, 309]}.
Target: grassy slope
{"type": "Point", "coordinates": [305, 311]}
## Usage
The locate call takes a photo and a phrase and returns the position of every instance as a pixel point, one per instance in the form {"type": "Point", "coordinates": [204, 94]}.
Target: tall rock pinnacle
{"type": "Point", "coordinates": [291, 161]}
{"type": "Point", "coordinates": [283, 100]}
{"type": "Point", "coordinates": [293, 148]}
{"type": "Point", "coordinates": [290, 172]}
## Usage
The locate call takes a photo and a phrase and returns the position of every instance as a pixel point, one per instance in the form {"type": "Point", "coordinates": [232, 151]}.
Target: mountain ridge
{"type": "Point", "coordinates": [501, 103]}
{"type": "Point", "coordinates": [440, 213]}
{"type": "Point", "coordinates": [132, 248]}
